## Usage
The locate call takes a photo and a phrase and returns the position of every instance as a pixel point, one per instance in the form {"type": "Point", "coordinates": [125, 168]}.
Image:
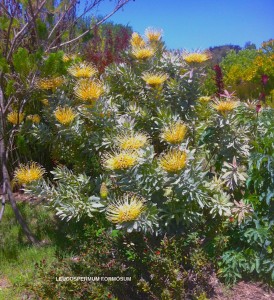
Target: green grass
{"type": "Point", "coordinates": [17, 256]}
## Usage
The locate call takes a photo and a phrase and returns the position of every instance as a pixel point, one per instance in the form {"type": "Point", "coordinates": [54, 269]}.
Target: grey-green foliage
{"type": "Point", "coordinates": [69, 194]}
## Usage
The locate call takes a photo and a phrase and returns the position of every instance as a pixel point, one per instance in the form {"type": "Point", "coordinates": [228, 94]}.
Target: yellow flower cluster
{"type": "Point", "coordinates": [132, 141]}
{"type": "Point", "coordinates": [15, 117]}
{"type": "Point", "coordinates": [143, 53]}
{"type": "Point", "coordinates": [49, 83]}
{"type": "Point", "coordinates": [153, 35]}
{"type": "Point", "coordinates": [121, 160]}
{"type": "Point", "coordinates": [136, 40]}
{"type": "Point", "coordinates": [64, 115]}
{"type": "Point", "coordinates": [28, 173]}
{"type": "Point", "coordinates": [173, 161]}
{"type": "Point", "coordinates": [196, 57]}
{"type": "Point", "coordinates": [154, 79]}
{"type": "Point", "coordinates": [142, 50]}
{"type": "Point", "coordinates": [225, 106]}
{"type": "Point", "coordinates": [82, 70]}
{"type": "Point", "coordinates": [68, 57]}
{"type": "Point", "coordinates": [127, 208]}
{"type": "Point", "coordinates": [88, 90]}
{"type": "Point", "coordinates": [174, 133]}
{"type": "Point", "coordinates": [204, 99]}
{"type": "Point", "coordinates": [34, 118]}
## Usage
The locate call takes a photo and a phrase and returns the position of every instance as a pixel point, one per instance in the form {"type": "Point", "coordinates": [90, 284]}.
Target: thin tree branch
{"type": "Point", "coordinates": [87, 31]}
{"type": "Point", "coordinates": [61, 18]}
{"type": "Point", "coordinates": [23, 29]}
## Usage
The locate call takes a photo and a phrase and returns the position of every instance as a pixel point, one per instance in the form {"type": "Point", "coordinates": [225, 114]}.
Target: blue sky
{"type": "Point", "coordinates": [199, 23]}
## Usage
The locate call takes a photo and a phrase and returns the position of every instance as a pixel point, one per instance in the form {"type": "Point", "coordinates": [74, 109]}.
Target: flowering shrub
{"type": "Point", "coordinates": [140, 147]}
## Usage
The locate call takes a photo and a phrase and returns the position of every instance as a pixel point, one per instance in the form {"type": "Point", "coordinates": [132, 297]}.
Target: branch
{"type": "Point", "coordinates": [61, 18]}
{"type": "Point", "coordinates": [23, 29]}
{"type": "Point", "coordinates": [91, 28]}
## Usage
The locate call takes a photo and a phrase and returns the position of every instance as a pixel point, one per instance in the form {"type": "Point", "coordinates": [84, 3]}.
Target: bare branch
{"type": "Point", "coordinates": [87, 31]}
{"type": "Point", "coordinates": [23, 29]}
{"type": "Point", "coordinates": [73, 3]}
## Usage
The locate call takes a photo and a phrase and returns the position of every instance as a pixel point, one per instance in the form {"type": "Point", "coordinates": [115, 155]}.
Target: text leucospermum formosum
{"type": "Point", "coordinates": [153, 35]}
{"type": "Point", "coordinates": [225, 106]}
{"type": "Point", "coordinates": [136, 40]}
{"type": "Point", "coordinates": [174, 133]}
{"type": "Point", "coordinates": [64, 115]}
{"type": "Point", "coordinates": [121, 160]}
{"type": "Point", "coordinates": [132, 141]}
{"type": "Point", "coordinates": [50, 83]}
{"type": "Point", "coordinates": [88, 90]}
{"type": "Point", "coordinates": [15, 118]}
{"type": "Point", "coordinates": [143, 52]}
{"type": "Point", "coordinates": [154, 79]}
{"type": "Point", "coordinates": [196, 57]}
{"type": "Point", "coordinates": [34, 118]}
{"type": "Point", "coordinates": [127, 208]}
{"type": "Point", "coordinates": [82, 69]}
{"type": "Point", "coordinates": [27, 173]}
{"type": "Point", "coordinates": [173, 161]}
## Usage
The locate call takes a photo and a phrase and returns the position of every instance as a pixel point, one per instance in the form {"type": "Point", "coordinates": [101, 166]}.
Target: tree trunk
{"type": "Point", "coordinates": [8, 190]}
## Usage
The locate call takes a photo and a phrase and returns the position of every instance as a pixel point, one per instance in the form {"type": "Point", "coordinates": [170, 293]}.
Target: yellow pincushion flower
{"type": "Point", "coordinates": [68, 57]}
{"type": "Point", "coordinates": [132, 141]}
{"type": "Point", "coordinates": [64, 115]}
{"type": "Point", "coordinates": [103, 190]}
{"type": "Point", "coordinates": [174, 133]}
{"type": "Point", "coordinates": [154, 79]}
{"type": "Point", "coordinates": [143, 52]}
{"type": "Point", "coordinates": [82, 70]}
{"type": "Point", "coordinates": [45, 102]}
{"type": "Point", "coordinates": [15, 118]}
{"type": "Point", "coordinates": [225, 106]}
{"type": "Point", "coordinates": [136, 40]}
{"type": "Point", "coordinates": [122, 160]}
{"type": "Point", "coordinates": [127, 208]}
{"type": "Point", "coordinates": [196, 57]}
{"type": "Point", "coordinates": [50, 83]}
{"type": "Point", "coordinates": [88, 90]}
{"type": "Point", "coordinates": [204, 99]}
{"type": "Point", "coordinates": [153, 35]}
{"type": "Point", "coordinates": [28, 173]}
{"type": "Point", "coordinates": [173, 161]}
{"type": "Point", "coordinates": [34, 118]}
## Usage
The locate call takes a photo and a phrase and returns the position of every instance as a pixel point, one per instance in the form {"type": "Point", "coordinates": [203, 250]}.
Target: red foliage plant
{"type": "Point", "coordinates": [106, 45]}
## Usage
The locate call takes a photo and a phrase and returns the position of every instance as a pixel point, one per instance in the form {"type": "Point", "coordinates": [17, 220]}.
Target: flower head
{"type": "Point", "coordinates": [68, 57]}
{"type": "Point", "coordinates": [196, 57]}
{"type": "Point", "coordinates": [45, 102]}
{"type": "Point", "coordinates": [28, 173]}
{"type": "Point", "coordinates": [225, 106]}
{"type": "Point", "coordinates": [143, 52]}
{"type": "Point", "coordinates": [132, 141]}
{"type": "Point", "coordinates": [154, 79]}
{"type": "Point", "coordinates": [127, 208]}
{"type": "Point", "coordinates": [15, 117]}
{"type": "Point", "coordinates": [136, 40]}
{"type": "Point", "coordinates": [50, 83]}
{"type": "Point", "coordinates": [173, 161]}
{"type": "Point", "coordinates": [204, 99]}
{"type": "Point", "coordinates": [153, 35]}
{"type": "Point", "coordinates": [64, 115]}
{"type": "Point", "coordinates": [34, 118]}
{"type": "Point", "coordinates": [88, 90]}
{"type": "Point", "coordinates": [121, 160]}
{"type": "Point", "coordinates": [174, 133]}
{"type": "Point", "coordinates": [82, 69]}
